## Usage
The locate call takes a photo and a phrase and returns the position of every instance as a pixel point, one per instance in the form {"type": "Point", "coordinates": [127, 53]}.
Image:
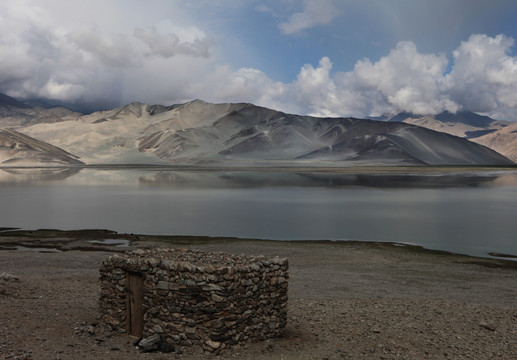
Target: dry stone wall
{"type": "Point", "coordinates": [195, 298]}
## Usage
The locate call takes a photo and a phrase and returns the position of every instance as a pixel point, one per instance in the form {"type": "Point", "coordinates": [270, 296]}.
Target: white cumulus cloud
{"type": "Point", "coordinates": [403, 80]}
{"type": "Point", "coordinates": [483, 78]}
{"type": "Point", "coordinates": [484, 75]}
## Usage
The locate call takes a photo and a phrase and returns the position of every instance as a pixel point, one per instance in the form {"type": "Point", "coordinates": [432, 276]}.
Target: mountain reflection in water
{"type": "Point", "coordinates": [413, 178]}
{"type": "Point", "coordinates": [463, 211]}
{"type": "Point", "coordinates": [257, 179]}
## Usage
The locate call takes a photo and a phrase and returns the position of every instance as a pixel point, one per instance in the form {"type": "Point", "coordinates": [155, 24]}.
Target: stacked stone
{"type": "Point", "coordinates": [113, 297]}
{"type": "Point", "coordinates": [196, 298]}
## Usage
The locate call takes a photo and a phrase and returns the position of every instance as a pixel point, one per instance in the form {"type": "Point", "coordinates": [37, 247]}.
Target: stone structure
{"type": "Point", "coordinates": [194, 298]}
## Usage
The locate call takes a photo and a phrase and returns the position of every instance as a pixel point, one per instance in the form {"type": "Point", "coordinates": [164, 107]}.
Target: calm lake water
{"type": "Point", "coordinates": [464, 212]}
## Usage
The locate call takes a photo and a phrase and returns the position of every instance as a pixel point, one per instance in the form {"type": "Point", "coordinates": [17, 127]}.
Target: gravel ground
{"type": "Point", "coordinates": [346, 301]}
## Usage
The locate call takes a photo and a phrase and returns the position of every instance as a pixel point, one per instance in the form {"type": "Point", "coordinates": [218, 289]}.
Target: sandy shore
{"type": "Point", "coordinates": [346, 301]}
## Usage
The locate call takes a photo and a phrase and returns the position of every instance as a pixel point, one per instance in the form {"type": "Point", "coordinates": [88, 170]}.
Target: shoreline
{"type": "Point", "coordinates": [67, 240]}
{"type": "Point", "coordinates": [339, 168]}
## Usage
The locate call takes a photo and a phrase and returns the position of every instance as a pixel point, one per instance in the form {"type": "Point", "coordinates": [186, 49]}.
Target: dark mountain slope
{"type": "Point", "coordinates": [19, 149]}
{"type": "Point", "coordinates": [477, 128]}
{"type": "Point", "coordinates": [233, 135]}
{"type": "Point", "coordinates": [7, 101]}
{"type": "Point", "coordinates": [258, 134]}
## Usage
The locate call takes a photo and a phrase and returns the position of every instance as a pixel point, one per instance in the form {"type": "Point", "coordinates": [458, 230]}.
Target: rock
{"type": "Point", "coordinates": [158, 329]}
{"type": "Point", "coordinates": [91, 330]}
{"type": "Point", "coordinates": [151, 343]}
{"type": "Point", "coordinates": [168, 264]}
{"type": "Point", "coordinates": [8, 277]}
{"type": "Point", "coordinates": [276, 260]}
{"type": "Point", "coordinates": [213, 344]}
{"type": "Point", "coordinates": [212, 287]}
{"type": "Point", "coordinates": [184, 266]}
{"type": "Point", "coordinates": [217, 298]}
{"type": "Point", "coordinates": [163, 285]}
{"type": "Point", "coordinates": [190, 283]}
{"type": "Point", "coordinates": [487, 326]}
{"type": "Point", "coordinates": [166, 348]}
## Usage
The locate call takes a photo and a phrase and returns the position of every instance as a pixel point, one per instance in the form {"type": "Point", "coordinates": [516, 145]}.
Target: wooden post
{"type": "Point", "coordinates": [135, 299]}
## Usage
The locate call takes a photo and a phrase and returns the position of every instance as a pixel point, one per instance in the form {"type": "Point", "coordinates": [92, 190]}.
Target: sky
{"type": "Point", "coordinates": [317, 57]}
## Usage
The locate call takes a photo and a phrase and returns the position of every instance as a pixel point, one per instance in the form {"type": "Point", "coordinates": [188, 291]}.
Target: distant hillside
{"type": "Point", "coordinates": [504, 139]}
{"type": "Point", "coordinates": [477, 128]}
{"type": "Point", "coordinates": [468, 118]}
{"type": "Point", "coordinates": [8, 102]}
{"type": "Point", "coordinates": [15, 114]}
{"type": "Point", "coordinates": [232, 135]}
{"type": "Point", "coordinates": [17, 149]}
{"type": "Point", "coordinates": [244, 134]}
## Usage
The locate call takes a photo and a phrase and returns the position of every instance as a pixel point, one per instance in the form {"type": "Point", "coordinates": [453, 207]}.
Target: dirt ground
{"type": "Point", "coordinates": [346, 301]}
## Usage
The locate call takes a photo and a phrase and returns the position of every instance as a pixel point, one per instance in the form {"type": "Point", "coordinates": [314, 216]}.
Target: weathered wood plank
{"type": "Point", "coordinates": [135, 300]}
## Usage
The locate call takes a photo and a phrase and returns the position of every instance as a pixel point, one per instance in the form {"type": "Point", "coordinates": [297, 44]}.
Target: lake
{"type": "Point", "coordinates": [462, 211]}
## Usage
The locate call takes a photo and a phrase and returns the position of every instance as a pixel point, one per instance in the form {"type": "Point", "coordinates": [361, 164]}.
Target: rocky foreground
{"type": "Point", "coordinates": [346, 301]}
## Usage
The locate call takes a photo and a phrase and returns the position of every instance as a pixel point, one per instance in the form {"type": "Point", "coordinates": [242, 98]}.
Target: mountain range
{"type": "Point", "coordinates": [498, 135]}
{"type": "Point", "coordinates": [240, 134]}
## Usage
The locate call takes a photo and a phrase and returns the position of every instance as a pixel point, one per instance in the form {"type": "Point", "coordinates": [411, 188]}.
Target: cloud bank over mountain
{"type": "Point", "coordinates": [482, 78]}
{"type": "Point", "coordinates": [104, 55]}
